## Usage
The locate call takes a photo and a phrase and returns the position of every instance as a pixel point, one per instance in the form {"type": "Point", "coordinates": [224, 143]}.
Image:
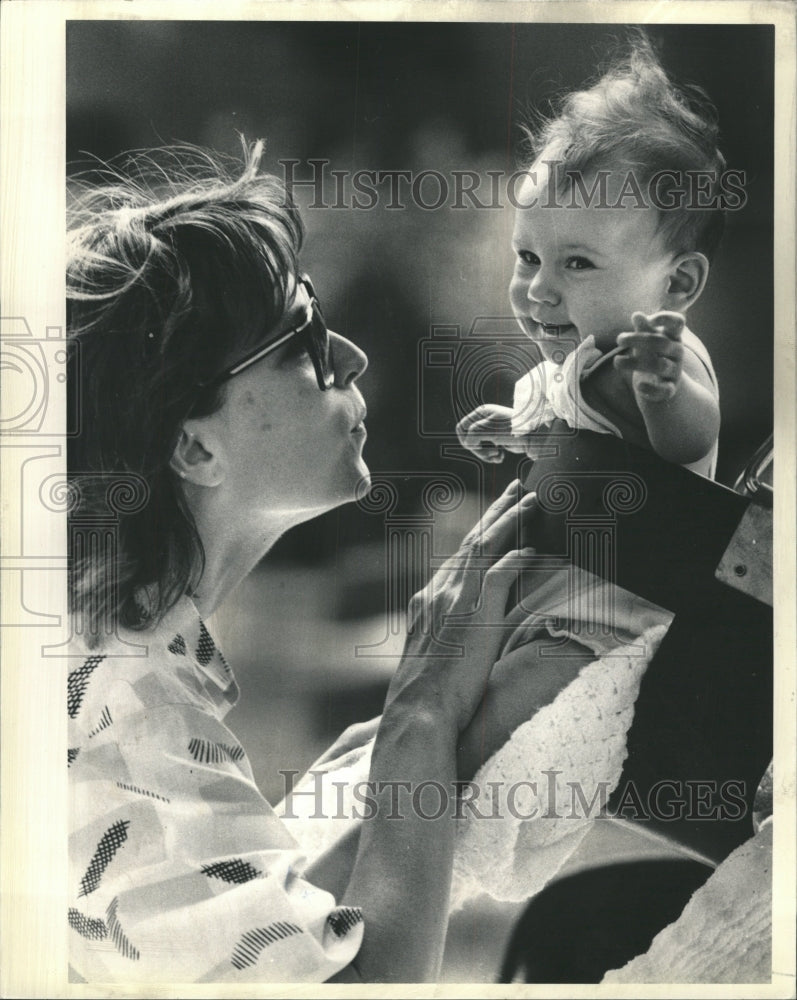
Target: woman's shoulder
{"type": "Point", "coordinates": [129, 672]}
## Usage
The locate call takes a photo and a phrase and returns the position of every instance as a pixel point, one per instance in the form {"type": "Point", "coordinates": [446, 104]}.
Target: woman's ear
{"type": "Point", "coordinates": [195, 458]}
{"type": "Point", "coordinates": [688, 276]}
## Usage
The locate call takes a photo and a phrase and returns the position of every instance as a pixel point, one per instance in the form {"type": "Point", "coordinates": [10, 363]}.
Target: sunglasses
{"type": "Point", "coordinates": [312, 334]}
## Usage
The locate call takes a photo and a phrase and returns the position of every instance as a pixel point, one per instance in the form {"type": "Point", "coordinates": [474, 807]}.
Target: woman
{"type": "Point", "coordinates": [217, 411]}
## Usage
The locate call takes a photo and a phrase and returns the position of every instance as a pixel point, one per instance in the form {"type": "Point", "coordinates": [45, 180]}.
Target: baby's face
{"type": "Point", "coordinates": [584, 270]}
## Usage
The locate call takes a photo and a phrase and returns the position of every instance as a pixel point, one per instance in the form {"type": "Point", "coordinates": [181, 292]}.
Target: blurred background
{"type": "Point", "coordinates": [314, 633]}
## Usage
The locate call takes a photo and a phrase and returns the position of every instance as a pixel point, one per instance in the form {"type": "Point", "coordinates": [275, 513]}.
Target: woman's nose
{"type": "Point", "coordinates": [542, 288]}
{"type": "Point", "coordinates": [348, 361]}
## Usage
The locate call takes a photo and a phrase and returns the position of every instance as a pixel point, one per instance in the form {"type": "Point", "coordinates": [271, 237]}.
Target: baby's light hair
{"type": "Point", "coordinates": [635, 119]}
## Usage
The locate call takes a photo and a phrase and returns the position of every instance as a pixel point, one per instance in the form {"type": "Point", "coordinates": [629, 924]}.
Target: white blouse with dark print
{"type": "Point", "coordinates": [179, 868]}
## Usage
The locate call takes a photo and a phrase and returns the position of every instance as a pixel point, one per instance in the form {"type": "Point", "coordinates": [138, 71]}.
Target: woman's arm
{"type": "Point", "coordinates": [401, 872]}
{"type": "Point", "coordinates": [519, 686]}
{"type": "Point", "coordinates": [521, 683]}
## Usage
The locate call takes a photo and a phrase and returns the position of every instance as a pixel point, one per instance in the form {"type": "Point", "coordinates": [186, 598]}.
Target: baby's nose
{"type": "Point", "coordinates": [542, 288]}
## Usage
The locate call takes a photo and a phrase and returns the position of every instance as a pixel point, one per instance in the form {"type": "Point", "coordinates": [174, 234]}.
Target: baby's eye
{"type": "Point", "coordinates": [528, 257]}
{"type": "Point", "coordinates": [578, 263]}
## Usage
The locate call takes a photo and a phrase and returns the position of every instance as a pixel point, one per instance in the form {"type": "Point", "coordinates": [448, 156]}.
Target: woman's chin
{"type": "Point", "coordinates": [355, 487]}
{"type": "Point", "coordinates": [363, 485]}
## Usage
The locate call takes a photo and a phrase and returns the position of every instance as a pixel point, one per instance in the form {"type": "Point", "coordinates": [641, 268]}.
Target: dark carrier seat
{"type": "Point", "coordinates": [703, 719]}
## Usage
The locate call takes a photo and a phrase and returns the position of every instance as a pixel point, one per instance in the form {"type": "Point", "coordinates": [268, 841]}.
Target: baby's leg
{"type": "Point", "coordinates": [521, 683]}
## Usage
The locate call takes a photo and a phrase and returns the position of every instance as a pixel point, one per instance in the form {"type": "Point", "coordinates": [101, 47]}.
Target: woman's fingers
{"type": "Point", "coordinates": [494, 535]}
{"type": "Point", "coordinates": [504, 502]}
{"type": "Point", "coordinates": [455, 587]}
{"type": "Point", "coordinates": [489, 540]}
{"type": "Point", "coordinates": [472, 618]}
{"type": "Point", "coordinates": [500, 578]}
{"type": "Point", "coordinates": [479, 622]}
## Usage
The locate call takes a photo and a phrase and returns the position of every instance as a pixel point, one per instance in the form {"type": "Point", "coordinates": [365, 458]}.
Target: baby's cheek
{"type": "Point", "coordinates": [517, 294]}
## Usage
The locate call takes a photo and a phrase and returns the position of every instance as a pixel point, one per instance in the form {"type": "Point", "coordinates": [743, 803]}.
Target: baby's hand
{"type": "Point", "coordinates": [653, 353]}
{"type": "Point", "coordinates": [487, 432]}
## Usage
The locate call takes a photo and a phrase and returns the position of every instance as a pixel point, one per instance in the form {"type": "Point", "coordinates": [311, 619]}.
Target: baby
{"type": "Point", "coordinates": [616, 221]}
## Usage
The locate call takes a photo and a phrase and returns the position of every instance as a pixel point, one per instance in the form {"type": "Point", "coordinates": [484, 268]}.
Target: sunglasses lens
{"type": "Point", "coordinates": [320, 346]}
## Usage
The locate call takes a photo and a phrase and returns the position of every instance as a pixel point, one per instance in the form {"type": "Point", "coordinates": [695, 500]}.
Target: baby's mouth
{"type": "Point", "coordinates": [555, 329]}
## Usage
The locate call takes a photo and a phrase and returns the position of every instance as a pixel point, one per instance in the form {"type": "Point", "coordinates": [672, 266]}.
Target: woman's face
{"type": "Point", "coordinates": [288, 448]}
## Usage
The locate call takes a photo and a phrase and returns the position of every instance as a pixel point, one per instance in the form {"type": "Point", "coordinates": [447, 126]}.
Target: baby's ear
{"type": "Point", "coordinates": [688, 276]}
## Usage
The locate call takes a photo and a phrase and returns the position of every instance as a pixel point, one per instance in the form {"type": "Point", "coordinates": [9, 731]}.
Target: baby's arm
{"type": "Point", "coordinates": [672, 388]}
{"type": "Point", "coordinates": [487, 432]}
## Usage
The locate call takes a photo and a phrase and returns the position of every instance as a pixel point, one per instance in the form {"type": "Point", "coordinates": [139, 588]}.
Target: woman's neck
{"type": "Point", "coordinates": [233, 544]}
{"type": "Point", "coordinates": [225, 567]}
{"type": "Point", "coordinates": [232, 549]}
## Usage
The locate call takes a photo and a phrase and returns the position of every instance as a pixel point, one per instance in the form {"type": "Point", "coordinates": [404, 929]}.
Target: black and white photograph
{"type": "Point", "coordinates": [394, 488]}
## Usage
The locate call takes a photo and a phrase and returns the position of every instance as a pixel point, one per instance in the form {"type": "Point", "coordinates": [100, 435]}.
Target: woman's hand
{"type": "Point", "coordinates": [402, 870]}
{"type": "Point", "coordinates": [456, 624]}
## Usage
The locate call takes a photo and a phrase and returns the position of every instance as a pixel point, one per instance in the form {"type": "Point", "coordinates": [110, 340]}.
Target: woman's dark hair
{"type": "Point", "coordinates": [635, 119]}
{"type": "Point", "coordinates": [177, 262]}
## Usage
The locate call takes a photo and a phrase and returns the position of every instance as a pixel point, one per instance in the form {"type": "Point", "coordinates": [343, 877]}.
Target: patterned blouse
{"type": "Point", "coordinates": [179, 868]}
